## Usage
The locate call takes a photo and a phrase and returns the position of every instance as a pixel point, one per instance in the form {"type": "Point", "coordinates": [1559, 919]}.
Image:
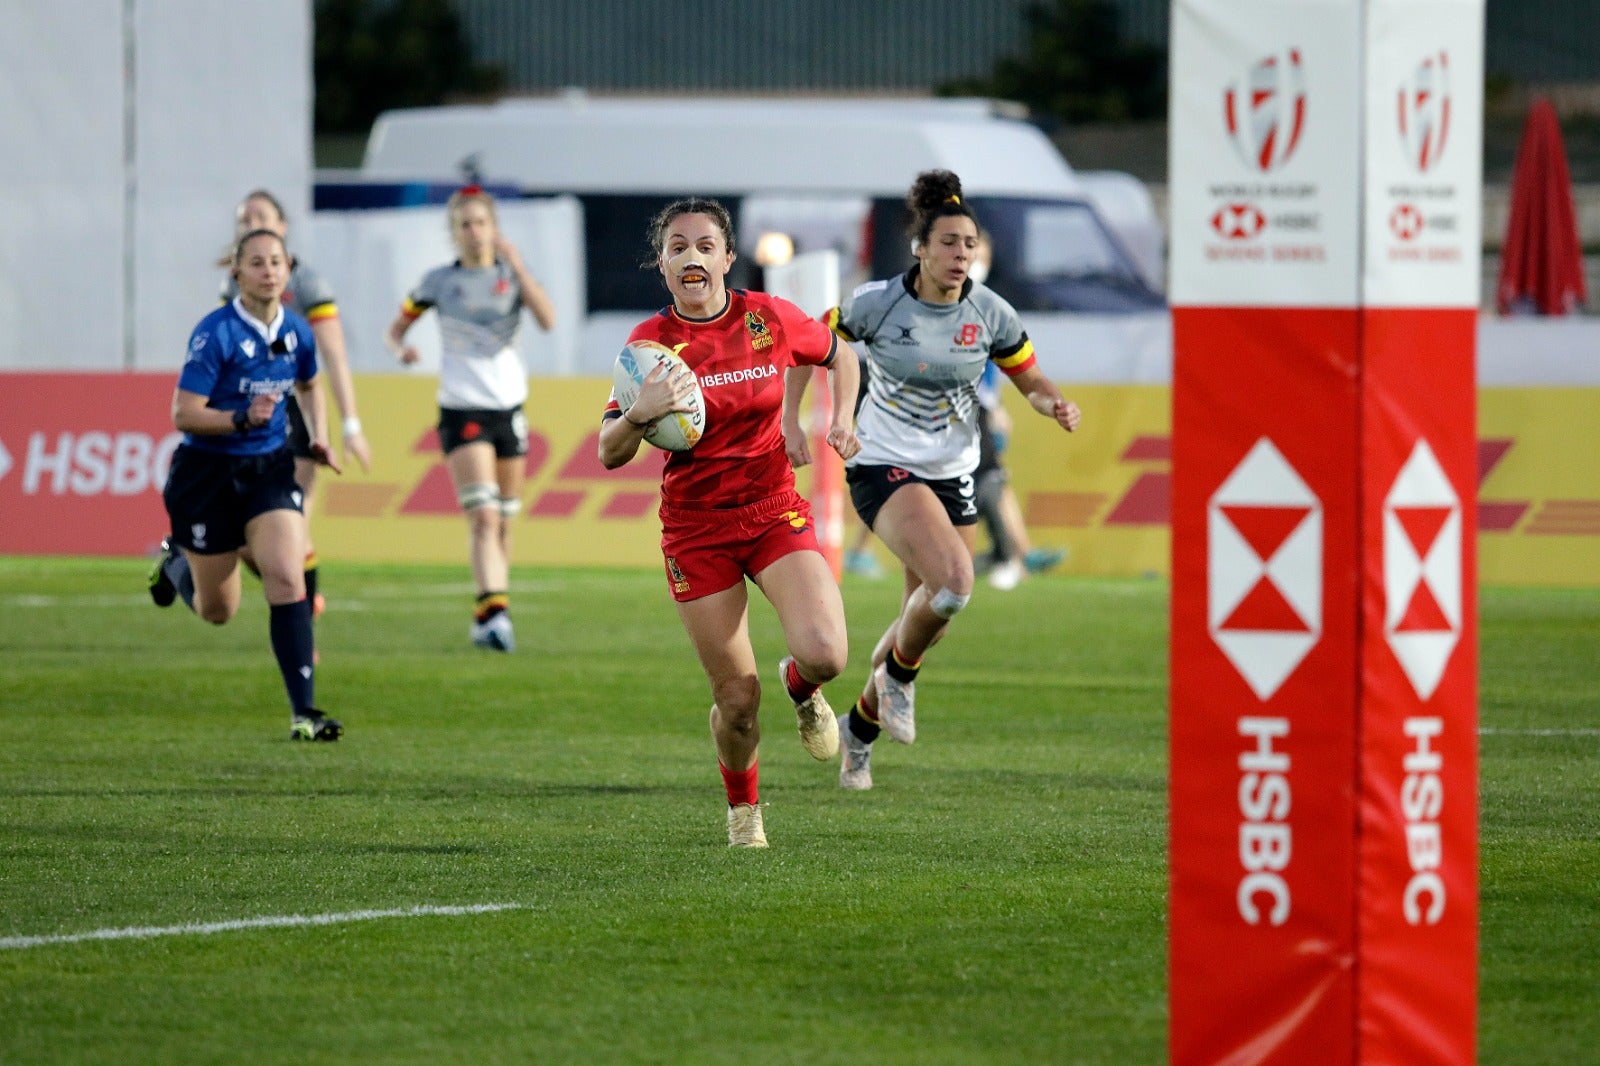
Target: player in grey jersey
{"type": "Point", "coordinates": [482, 385]}
{"type": "Point", "coordinates": [928, 335]}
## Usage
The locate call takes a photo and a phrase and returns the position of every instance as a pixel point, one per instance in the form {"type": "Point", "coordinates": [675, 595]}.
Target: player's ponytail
{"type": "Point", "coordinates": [934, 195]}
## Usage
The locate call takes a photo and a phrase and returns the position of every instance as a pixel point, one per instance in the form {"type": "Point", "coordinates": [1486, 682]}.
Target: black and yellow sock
{"type": "Point", "coordinates": [861, 723]}
{"type": "Point", "coordinates": [490, 604]}
{"type": "Point", "coordinates": [901, 670]}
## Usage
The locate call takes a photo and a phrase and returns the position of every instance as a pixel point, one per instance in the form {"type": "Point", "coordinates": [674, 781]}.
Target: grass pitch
{"type": "Point", "coordinates": [998, 898]}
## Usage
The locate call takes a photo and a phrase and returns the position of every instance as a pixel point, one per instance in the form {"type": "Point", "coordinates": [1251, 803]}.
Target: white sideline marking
{"type": "Point", "coordinates": [275, 921]}
{"type": "Point", "coordinates": [1540, 732]}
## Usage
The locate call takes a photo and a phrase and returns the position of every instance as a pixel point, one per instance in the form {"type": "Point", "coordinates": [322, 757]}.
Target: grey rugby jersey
{"type": "Point", "coordinates": [307, 294]}
{"type": "Point", "coordinates": [926, 359]}
{"type": "Point", "coordinates": [479, 309]}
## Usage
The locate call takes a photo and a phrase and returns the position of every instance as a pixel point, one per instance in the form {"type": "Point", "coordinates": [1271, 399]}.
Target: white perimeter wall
{"type": "Point", "coordinates": [108, 241]}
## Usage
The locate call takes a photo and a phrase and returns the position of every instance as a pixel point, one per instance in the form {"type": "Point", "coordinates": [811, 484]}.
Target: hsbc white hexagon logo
{"type": "Point", "coordinates": [1264, 568]}
{"type": "Point", "coordinates": [1422, 569]}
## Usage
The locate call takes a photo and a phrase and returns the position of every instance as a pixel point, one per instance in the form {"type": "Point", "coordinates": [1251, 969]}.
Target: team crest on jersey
{"type": "Point", "coordinates": [248, 348]}
{"type": "Point", "coordinates": [679, 582]}
{"type": "Point", "coordinates": [760, 335]}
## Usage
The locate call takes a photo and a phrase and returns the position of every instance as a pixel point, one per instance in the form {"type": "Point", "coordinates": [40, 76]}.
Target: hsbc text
{"type": "Point", "coordinates": [92, 463]}
{"type": "Point", "coordinates": [1421, 801]}
{"type": "Point", "coordinates": [1264, 835]}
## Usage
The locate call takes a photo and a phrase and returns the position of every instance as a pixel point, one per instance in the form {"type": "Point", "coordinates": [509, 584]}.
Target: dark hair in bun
{"type": "Point", "coordinates": [934, 195]}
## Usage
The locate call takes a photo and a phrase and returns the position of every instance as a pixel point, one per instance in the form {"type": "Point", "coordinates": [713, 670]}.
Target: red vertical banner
{"type": "Point", "coordinates": [1417, 896]}
{"type": "Point", "coordinates": [1263, 685]}
{"type": "Point", "coordinates": [1322, 800]}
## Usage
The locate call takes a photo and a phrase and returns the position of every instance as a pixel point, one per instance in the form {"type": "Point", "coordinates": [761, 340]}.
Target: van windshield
{"type": "Point", "coordinates": [1056, 255]}
{"type": "Point", "coordinates": [1049, 255]}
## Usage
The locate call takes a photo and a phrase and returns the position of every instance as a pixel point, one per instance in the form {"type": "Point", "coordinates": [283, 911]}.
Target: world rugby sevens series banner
{"type": "Point", "coordinates": [1325, 227]}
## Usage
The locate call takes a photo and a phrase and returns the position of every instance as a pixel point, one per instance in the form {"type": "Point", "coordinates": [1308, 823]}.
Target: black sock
{"type": "Point", "coordinates": [177, 571]}
{"type": "Point", "coordinates": [865, 730]}
{"type": "Point", "coordinates": [311, 582]}
{"type": "Point", "coordinates": [897, 668]}
{"type": "Point", "coordinates": [292, 643]}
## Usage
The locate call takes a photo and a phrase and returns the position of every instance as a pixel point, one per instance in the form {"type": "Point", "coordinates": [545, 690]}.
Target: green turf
{"type": "Point", "coordinates": [999, 898]}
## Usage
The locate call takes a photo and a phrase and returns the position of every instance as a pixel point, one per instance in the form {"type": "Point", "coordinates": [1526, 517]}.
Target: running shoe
{"type": "Point", "coordinates": [312, 724]}
{"type": "Point", "coordinates": [897, 709]}
{"type": "Point", "coordinates": [862, 564]}
{"type": "Point", "coordinates": [855, 769]}
{"type": "Point", "coordinates": [1006, 576]}
{"type": "Point", "coordinates": [819, 727]}
{"type": "Point", "coordinates": [744, 827]}
{"type": "Point", "coordinates": [162, 590]}
{"type": "Point", "coordinates": [495, 633]}
{"type": "Point", "coordinates": [1041, 559]}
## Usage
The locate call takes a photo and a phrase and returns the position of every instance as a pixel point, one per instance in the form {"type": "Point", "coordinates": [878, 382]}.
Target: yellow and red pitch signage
{"type": "Point", "coordinates": [1325, 237]}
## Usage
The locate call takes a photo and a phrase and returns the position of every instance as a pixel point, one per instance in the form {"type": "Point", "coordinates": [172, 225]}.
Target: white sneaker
{"type": "Point", "coordinates": [744, 827]}
{"type": "Point", "coordinates": [496, 633]}
{"type": "Point", "coordinates": [855, 769]}
{"type": "Point", "coordinates": [1006, 576]}
{"type": "Point", "coordinates": [897, 709]}
{"type": "Point", "coordinates": [819, 728]}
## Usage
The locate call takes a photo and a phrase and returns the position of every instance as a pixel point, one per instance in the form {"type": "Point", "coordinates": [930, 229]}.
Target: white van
{"type": "Point", "coordinates": [814, 173]}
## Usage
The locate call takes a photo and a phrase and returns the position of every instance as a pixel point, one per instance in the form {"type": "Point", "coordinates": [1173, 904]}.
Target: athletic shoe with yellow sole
{"type": "Point", "coordinates": [162, 590]}
{"type": "Point", "coordinates": [312, 724]}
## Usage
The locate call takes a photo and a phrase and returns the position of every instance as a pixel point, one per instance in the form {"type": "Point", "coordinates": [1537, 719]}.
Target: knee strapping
{"type": "Point", "coordinates": [482, 494]}
{"type": "Point", "coordinates": [947, 604]}
{"type": "Point", "coordinates": [510, 506]}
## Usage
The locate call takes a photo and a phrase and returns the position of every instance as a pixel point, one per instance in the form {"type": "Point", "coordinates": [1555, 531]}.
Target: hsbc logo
{"type": "Point", "coordinates": [1264, 568]}
{"type": "Point", "coordinates": [1425, 112]}
{"type": "Point", "coordinates": [1406, 221]}
{"type": "Point", "coordinates": [1422, 569]}
{"type": "Point", "coordinates": [1238, 222]}
{"type": "Point", "coordinates": [1265, 110]}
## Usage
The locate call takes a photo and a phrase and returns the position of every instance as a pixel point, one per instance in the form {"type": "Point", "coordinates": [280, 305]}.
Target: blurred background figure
{"type": "Point", "coordinates": [1011, 554]}
{"type": "Point", "coordinates": [482, 387]}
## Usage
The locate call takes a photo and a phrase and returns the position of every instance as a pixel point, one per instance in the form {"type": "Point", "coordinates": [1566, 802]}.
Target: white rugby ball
{"type": "Point", "coordinates": [675, 431]}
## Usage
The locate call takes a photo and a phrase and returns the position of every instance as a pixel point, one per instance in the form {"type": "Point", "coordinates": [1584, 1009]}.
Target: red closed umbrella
{"type": "Point", "coordinates": [1541, 262]}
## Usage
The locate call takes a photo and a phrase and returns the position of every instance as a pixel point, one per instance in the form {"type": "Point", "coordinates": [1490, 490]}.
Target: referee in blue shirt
{"type": "Point", "coordinates": [231, 491]}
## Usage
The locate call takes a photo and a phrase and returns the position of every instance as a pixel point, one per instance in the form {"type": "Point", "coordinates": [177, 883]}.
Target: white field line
{"type": "Point", "coordinates": [276, 921]}
{"type": "Point", "coordinates": [1539, 732]}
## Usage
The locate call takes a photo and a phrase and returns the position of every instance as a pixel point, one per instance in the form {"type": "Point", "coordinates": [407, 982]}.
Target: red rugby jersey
{"type": "Point", "coordinates": [739, 356]}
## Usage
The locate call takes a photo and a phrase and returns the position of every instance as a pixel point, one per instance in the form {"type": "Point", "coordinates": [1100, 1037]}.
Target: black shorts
{"type": "Point", "coordinates": [506, 430]}
{"type": "Point", "coordinates": [211, 497]}
{"type": "Point", "coordinates": [871, 487]}
{"type": "Point", "coordinates": [299, 435]}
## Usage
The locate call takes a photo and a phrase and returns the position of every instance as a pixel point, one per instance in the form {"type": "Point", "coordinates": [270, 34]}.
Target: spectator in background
{"type": "Point", "coordinates": [929, 334]}
{"type": "Point", "coordinates": [482, 386]}
{"type": "Point", "coordinates": [310, 297]}
{"type": "Point", "coordinates": [729, 509]}
{"type": "Point", "coordinates": [231, 484]}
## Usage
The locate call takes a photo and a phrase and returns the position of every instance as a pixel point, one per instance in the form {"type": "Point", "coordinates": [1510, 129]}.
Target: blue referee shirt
{"type": "Point", "coordinates": [233, 357]}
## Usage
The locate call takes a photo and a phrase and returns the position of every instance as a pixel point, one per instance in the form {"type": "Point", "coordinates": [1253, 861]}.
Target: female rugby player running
{"type": "Point", "coordinates": [729, 509]}
{"type": "Point", "coordinates": [929, 334]}
{"type": "Point", "coordinates": [482, 386]}
{"type": "Point", "coordinates": [231, 483]}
